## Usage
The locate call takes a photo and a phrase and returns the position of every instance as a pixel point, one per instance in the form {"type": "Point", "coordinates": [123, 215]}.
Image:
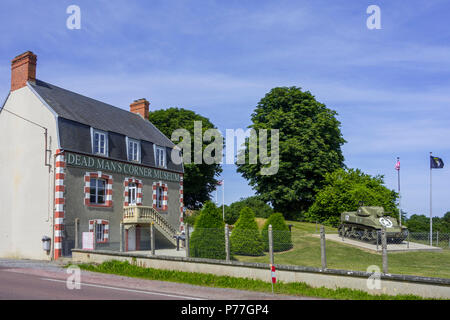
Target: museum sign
{"type": "Point", "coordinates": [94, 163]}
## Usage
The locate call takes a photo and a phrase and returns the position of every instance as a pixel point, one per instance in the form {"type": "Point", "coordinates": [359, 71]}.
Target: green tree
{"type": "Point", "coordinates": [208, 238]}
{"type": "Point", "coordinates": [199, 179]}
{"type": "Point", "coordinates": [281, 235]}
{"type": "Point", "coordinates": [418, 223]}
{"type": "Point", "coordinates": [259, 207]}
{"type": "Point", "coordinates": [446, 222]}
{"type": "Point", "coordinates": [344, 189]}
{"type": "Point", "coordinates": [245, 238]}
{"type": "Point", "coordinates": [421, 223]}
{"type": "Point", "coordinates": [309, 147]}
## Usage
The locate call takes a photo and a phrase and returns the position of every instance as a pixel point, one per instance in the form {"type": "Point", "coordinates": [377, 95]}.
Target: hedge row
{"type": "Point", "coordinates": [208, 238]}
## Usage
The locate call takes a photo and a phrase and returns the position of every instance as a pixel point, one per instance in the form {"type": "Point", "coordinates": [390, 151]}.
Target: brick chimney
{"type": "Point", "coordinates": [140, 107]}
{"type": "Point", "coordinates": [23, 69]}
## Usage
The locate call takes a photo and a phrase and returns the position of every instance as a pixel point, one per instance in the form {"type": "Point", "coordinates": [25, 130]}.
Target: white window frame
{"type": "Point", "coordinates": [100, 232]}
{"type": "Point", "coordinates": [132, 193]}
{"type": "Point", "coordinates": [100, 133]}
{"type": "Point", "coordinates": [138, 155]}
{"type": "Point", "coordinates": [164, 156]}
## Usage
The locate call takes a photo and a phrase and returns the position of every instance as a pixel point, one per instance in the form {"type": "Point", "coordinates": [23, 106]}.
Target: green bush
{"type": "Point", "coordinates": [281, 236]}
{"type": "Point", "coordinates": [260, 208]}
{"type": "Point", "coordinates": [208, 238]}
{"type": "Point", "coordinates": [245, 238]}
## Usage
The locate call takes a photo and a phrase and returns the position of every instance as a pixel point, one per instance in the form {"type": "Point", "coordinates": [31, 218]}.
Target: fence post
{"type": "Point", "coordinates": [384, 248]}
{"type": "Point", "coordinates": [95, 234]}
{"type": "Point", "coordinates": [152, 238]}
{"type": "Point", "coordinates": [77, 220]}
{"type": "Point", "coordinates": [227, 242]}
{"type": "Point", "coordinates": [322, 248]}
{"type": "Point", "coordinates": [121, 237]}
{"type": "Point", "coordinates": [271, 244]}
{"type": "Point", "coordinates": [186, 244]}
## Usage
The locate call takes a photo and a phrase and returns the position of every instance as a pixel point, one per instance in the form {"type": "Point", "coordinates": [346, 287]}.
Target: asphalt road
{"type": "Point", "coordinates": [19, 286]}
{"type": "Point", "coordinates": [20, 280]}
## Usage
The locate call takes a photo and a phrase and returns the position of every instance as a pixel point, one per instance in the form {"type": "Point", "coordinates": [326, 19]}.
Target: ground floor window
{"type": "Point", "coordinates": [101, 228]}
{"type": "Point", "coordinates": [100, 233]}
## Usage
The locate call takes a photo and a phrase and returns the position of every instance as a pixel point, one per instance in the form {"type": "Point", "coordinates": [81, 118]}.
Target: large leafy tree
{"type": "Point", "coordinates": [344, 190]}
{"type": "Point", "coordinates": [199, 179]}
{"type": "Point", "coordinates": [310, 143]}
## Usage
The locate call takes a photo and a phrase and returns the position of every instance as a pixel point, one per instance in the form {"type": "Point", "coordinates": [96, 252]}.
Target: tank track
{"type": "Point", "coordinates": [367, 234]}
{"type": "Point", "coordinates": [358, 232]}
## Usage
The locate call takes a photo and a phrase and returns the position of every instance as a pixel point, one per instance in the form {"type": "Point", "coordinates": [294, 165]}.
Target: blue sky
{"type": "Point", "coordinates": [390, 87]}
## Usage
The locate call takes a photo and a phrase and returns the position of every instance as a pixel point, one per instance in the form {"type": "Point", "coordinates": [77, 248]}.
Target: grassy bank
{"type": "Point", "coordinates": [209, 280]}
{"type": "Point", "coordinates": [306, 252]}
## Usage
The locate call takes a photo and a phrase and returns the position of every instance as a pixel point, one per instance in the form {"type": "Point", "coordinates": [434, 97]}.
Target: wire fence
{"type": "Point", "coordinates": [407, 240]}
{"type": "Point", "coordinates": [439, 239]}
{"type": "Point", "coordinates": [326, 248]}
{"type": "Point", "coordinates": [320, 247]}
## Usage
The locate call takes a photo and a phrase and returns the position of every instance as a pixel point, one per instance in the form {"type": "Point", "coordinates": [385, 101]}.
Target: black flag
{"type": "Point", "coordinates": [436, 163]}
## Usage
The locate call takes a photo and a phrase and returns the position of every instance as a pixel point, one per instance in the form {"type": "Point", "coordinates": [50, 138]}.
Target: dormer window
{"type": "Point", "coordinates": [160, 156]}
{"type": "Point", "coordinates": [99, 142]}
{"type": "Point", "coordinates": [133, 150]}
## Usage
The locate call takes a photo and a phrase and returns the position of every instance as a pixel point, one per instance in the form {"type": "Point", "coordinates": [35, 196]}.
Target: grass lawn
{"type": "Point", "coordinates": [306, 252]}
{"type": "Point", "coordinates": [210, 280]}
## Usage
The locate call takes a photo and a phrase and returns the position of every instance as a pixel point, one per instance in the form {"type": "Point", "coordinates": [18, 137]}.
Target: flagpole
{"type": "Point", "coordinates": [431, 206]}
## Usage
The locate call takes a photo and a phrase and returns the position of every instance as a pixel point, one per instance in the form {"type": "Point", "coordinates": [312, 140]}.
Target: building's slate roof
{"type": "Point", "coordinates": [77, 113]}
{"type": "Point", "coordinates": [99, 115]}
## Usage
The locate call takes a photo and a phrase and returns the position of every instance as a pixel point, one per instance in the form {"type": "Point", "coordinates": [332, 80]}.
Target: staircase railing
{"type": "Point", "coordinates": [142, 214]}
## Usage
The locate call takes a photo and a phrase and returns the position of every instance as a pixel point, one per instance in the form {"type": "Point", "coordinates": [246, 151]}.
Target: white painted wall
{"type": "Point", "coordinates": [26, 185]}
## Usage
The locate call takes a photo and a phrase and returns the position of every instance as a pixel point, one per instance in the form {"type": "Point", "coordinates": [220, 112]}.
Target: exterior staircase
{"type": "Point", "coordinates": [148, 215]}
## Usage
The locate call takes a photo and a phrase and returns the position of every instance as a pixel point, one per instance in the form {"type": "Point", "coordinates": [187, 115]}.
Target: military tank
{"type": "Point", "coordinates": [365, 224]}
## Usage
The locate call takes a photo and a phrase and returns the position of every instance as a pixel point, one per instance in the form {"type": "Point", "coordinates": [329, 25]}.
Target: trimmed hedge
{"type": "Point", "coordinates": [282, 239]}
{"type": "Point", "coordinates": [208, 238]}
{"type": "Point", "coordinates": [245, 238]}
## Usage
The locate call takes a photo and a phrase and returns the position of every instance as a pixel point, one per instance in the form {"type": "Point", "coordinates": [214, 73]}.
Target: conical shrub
{"type": "Point", "coordinates": [281, 236]}
{"type": "Point", "coordinates": [245, 238]}
{"type": "Point", "coordinates": [208, 238]}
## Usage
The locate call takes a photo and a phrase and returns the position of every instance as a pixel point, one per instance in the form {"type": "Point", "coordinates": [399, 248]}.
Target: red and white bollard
{"type": "Point", "coordinates": [274, 278]}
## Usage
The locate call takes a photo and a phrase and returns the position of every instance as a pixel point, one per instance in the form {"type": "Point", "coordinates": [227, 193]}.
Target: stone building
{"type": "Point", "coordinates": [68, 159]}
